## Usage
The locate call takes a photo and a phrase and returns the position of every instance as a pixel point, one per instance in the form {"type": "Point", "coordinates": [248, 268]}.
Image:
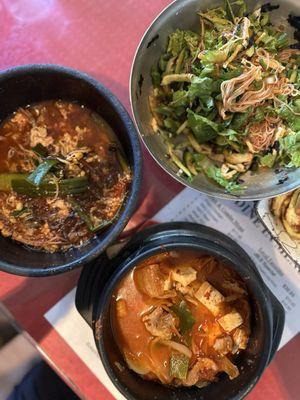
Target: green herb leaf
{"type": "Point", "coordinates": [180, 99]}
{"type": "Point", "coordinates": [259, 115]}
{"type": "Point", "coordinates": [200, 87]}
{"type": "Point", "coordinates": [171, 125]}
{"type": "Point", "coordinates": [268, 160]}
{"type": "Point", "coordinates": [239, 7]}
{"type": "Point", "coordinates": [207, 70]}
{"type": "Point", "coordinates": [176, 42]}
{"type": "Point", "coordinates": [155, 76]}
{"type": "Point", "coordinates": [214, 173]}
{"type": "Point", "coordinates": [192, 41]}
{"type": "Point", "coordinates": [164, 110]}
{"type": "Point", "coordinates": [226, 137]}
{"type": "Point", "coordinates": [290, 150]}
{"type": "Point", "coordinates": [41, 171]}
{"type": "Point", "coordinates": [180, 39]}
{"type": "Point", "coordinates": [186, 319]}
{"type": "Point", "coordinates": [207, 103]}
{"type": "Point", "coordinates": [214, 56]}
{"type": "Point", "coordinates": [240, 119]}
{"type": "Point", "coordinates": [163, 61]}
{"type": "Point", "coordinates": [217, 16]}
{"type": "Point", "coordinates": [203, 129]}
{"type": "Point", "coordinates": [287, 112]}
{"type": "Point", "coordinates": [210, 38]}
{"type": "Point", "coordinates": [179, 365]}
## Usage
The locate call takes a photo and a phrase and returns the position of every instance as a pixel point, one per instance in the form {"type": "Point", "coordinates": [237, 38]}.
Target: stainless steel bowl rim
{"type": "Point", "coordinates": [222, 195]}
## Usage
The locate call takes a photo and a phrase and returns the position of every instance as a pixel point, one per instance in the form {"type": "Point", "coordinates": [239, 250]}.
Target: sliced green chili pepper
{"type": "Point", "coordinates": [186, 319]}
{"type": "Point", "coordinates": [41, 171]}
{"type": "Point", "coordinates": [179, 365]}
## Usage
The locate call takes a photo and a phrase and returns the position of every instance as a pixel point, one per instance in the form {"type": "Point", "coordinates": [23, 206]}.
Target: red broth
{"type": "Point", "coordinates": [181, 319]}
{"type": "Point", "coordinates": [79, 195]}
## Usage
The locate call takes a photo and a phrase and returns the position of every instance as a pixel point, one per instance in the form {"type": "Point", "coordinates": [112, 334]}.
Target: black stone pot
{"type": "Point", "coordinates": [28, 84]}
{"type": "Point", "coordinates": [98, 282]}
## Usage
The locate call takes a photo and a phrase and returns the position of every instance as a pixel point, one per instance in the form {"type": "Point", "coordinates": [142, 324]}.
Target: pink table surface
{"type": "Point", "coordinates": [100, 38]}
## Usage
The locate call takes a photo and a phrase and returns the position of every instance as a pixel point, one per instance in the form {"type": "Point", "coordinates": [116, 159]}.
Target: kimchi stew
{"type": "Point", "coordinates": [63, 175]}
{"type": "Point", "coordinates": [181, 318]}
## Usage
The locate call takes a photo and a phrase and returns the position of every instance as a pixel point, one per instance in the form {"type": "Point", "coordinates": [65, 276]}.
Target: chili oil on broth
{"type": "Point", "coordinates": [171, 324]}
{"type": "Point", "coordinates": [88, 183]}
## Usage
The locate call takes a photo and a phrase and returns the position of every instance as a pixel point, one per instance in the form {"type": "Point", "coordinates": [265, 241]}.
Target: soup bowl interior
{"type": "Point", "coordinates": [182, 14]}
{"type": "Point", "coordinates": [251, 362]}
{"type": "Point", "coordinates": [30, 84]}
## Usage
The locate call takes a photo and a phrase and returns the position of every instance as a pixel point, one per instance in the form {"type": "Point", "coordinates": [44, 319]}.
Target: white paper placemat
{"type": "Point", "coordinates": [67, 321]}
{"type": "Point", "coordinates": [236, 219]}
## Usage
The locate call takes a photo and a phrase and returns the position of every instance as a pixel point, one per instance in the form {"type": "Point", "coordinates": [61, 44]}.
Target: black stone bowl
{"type": "Point", "coordinates": [28, 84]}
{"type": "Point", "coordinates": [98, 282]}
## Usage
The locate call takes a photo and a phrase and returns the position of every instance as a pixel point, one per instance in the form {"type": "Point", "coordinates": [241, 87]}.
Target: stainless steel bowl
{"type": "Point", "coordinates": [182, 14]}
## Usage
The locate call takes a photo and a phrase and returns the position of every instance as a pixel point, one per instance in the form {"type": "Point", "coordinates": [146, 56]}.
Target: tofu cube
{"type": "Point", "coordinates": [210, 297]}
{"type": "Point", "coordinates": [184, 275]}
{"type": "Point", "coordinates": [230, 321]}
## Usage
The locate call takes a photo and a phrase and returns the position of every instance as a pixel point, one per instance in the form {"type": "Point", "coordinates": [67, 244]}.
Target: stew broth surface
{"type": "Point", "coordinates": [181, 318]}
{"type": "Point", "coordinates": [80, 194]}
